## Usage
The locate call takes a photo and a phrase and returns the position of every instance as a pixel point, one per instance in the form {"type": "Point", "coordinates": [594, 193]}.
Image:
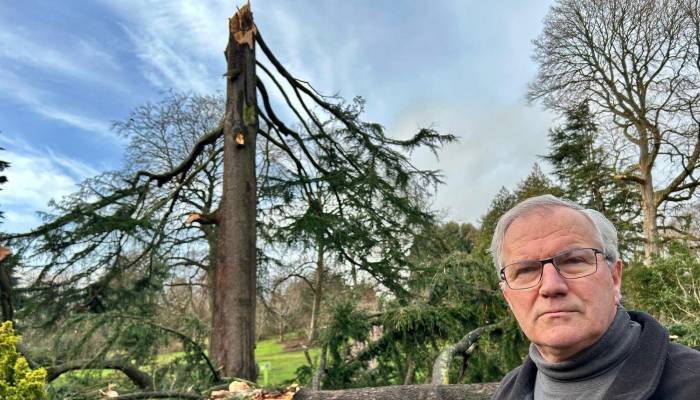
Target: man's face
{"type": "Point", "coordinates": [560, 316]}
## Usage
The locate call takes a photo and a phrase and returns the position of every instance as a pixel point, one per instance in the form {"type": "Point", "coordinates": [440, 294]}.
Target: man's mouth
{"type": "Point", "coordinates": [556, 313]}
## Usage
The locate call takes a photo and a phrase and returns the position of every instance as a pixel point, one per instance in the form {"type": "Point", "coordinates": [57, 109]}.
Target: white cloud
{"type": "Point", "coordinates": [16, 222]}
{"type": "Point", "coordinates": [497, 147]}
{"type": "Point", "coordinates": [180, 44]}
{"type": "Point", "coordinates": [34, 178]}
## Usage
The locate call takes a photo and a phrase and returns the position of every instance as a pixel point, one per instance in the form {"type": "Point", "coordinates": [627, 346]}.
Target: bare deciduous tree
{"type": "Point", "coordinates": [636, 63]}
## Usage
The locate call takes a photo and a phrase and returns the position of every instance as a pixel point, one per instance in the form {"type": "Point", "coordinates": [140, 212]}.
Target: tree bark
{"type": "Point", "coordinates": [650, 213]}
{"type": "Point", "coordinates": [233, 315]}
{"type": "Point", "coordinates": [317, 379]}
{"type": "Point", "coordinates": [211, 234]}
{"type": "Point", "coordinates": [480, 391]}
{"type": "Point", "coordinates": [410, 369]}
{"type": "Point", "coordinates": [6, 293]}
{"type": "Point", "coordinates": [318, 291]}
{"type": "Point", "coordinates": [6, 286]}
{"type": "Point", "coordinates": [281, 325]}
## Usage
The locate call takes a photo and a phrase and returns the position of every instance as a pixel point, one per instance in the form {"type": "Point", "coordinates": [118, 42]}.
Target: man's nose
{"type": "Point", "coordinates": [552, 283]}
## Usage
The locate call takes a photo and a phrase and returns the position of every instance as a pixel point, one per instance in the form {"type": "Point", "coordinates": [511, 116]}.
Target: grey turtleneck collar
{"type": "Point", "coordinates": [589, 373]}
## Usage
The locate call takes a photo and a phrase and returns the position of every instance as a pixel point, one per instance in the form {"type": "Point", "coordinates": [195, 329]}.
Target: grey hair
{"type": "Point", "coordinates": [606, 230]}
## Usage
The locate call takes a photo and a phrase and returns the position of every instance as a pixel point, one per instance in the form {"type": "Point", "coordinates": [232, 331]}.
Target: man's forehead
{"type": "Point", "coordinates": [559, 220]}
{"type": "Point", "coordinates": [548, 211]}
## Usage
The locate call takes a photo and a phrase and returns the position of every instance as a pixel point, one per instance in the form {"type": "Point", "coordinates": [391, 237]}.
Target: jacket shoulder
{"type": "Point", "coordinates": [505, 387]}
{"type": "Point", "coordinates": [681, 375]}
{"type": "Point", "coordinates": [684, 358]}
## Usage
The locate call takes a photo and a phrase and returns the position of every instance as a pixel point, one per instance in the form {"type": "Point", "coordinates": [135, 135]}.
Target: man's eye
{"type": "Point", "coordinates": [527, 270]}
{"type": "Point", "coordinates": [574, 260]}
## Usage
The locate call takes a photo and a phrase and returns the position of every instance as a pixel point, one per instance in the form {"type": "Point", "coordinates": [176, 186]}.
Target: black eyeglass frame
{"type": "Point", "coordinates": [551, 261]}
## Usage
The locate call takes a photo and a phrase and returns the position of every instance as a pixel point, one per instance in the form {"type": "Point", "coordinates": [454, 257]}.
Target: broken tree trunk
{"type": "Point", "coordinates": [233, 313]}
{"type": "Point", "coordinates": [479, 391]}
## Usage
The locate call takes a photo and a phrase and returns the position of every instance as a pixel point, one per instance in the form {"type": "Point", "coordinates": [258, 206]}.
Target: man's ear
{"type": "Point", "coordinates": [502, 286]}
{"type": "Point", "coordinates": [616, 271]}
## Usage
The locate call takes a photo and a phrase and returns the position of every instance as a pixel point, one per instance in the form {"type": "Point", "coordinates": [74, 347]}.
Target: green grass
{"type": "Point", "coordinates": [283, 364]}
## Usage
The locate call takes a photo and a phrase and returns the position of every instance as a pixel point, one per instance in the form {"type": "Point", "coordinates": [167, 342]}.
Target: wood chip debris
{"type": "Point", "coordinates": [241, 390]}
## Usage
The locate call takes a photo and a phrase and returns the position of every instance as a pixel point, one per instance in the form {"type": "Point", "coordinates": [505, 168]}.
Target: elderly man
{"type": "Point", "coordinates": [561, 275]}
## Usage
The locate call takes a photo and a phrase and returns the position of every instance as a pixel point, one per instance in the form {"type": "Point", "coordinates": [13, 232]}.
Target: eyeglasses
{"type": "Point", "coordinates": [571, 264]}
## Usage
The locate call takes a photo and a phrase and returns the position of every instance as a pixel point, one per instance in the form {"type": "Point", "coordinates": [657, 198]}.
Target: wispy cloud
{"type": "Point", "coordinates": [167, 67]}
{"type": "Point", "coordinates": [81, 59]}
{"type": "Point", "coordinates": [44, 71]}
{"type": "Point", "coordinates": [33, 180]}
{"type": "Point", "coordinates": [35, 177]}
{"type": "Point", "coordinates": [177, 43]}
{"type": "Point", "coordinates": [15, 89]}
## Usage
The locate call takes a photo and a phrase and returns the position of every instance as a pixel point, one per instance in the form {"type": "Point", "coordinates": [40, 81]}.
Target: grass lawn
{"type": "Point", "coordinates": [283, 364]}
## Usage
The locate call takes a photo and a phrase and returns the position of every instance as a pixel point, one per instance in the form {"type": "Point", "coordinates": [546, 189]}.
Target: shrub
{"type": "Point", "coordinates": [669, 289]}
{"type": "Point", "coordinates": [17, 380]}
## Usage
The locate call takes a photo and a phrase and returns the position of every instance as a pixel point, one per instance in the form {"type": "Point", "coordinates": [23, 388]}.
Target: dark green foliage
{"type": "Point", "coordinates": [357, 196]}
{"type": "Point", "coordinates": [669, 289]}
{"type": "Point", "coordinates": [190, 370]}
{"type": "Point", "coordinates": [579, 163]}
{"type": "Point", "coordinates": [452, 291]}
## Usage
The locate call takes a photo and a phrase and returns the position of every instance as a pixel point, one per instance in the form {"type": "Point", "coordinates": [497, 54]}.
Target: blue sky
{"type": "Point", "coordinates": [69, 69]}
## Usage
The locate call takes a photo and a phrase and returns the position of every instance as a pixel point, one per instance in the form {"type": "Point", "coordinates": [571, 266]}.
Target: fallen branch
{"type": "Point", "coordinates": [138, 377]}
{"type": "Point", "coordinates": [317, 379]}
{"type": "Point", "coordinates": [160, 395]}
{"type": "Point", "coordinates": [441, 366]}
{"type": "Point", "coordinates": [479, 391]}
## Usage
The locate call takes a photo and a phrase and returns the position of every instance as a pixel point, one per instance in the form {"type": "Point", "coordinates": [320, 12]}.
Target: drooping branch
{"type": "Point", "coordinates": [284, 129]}
{"type": "Point", "coordinates": [76, 213]}
{"type": "Point", "coordinates": [208, 138]}
{"type": "Point", "coordinates": [200, 351]}
{"type": "Point", "coordinates": [138, 377]}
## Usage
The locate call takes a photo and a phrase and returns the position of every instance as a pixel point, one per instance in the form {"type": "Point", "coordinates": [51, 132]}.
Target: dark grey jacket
{"type": "Point", "coordinates": [656, 369]}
